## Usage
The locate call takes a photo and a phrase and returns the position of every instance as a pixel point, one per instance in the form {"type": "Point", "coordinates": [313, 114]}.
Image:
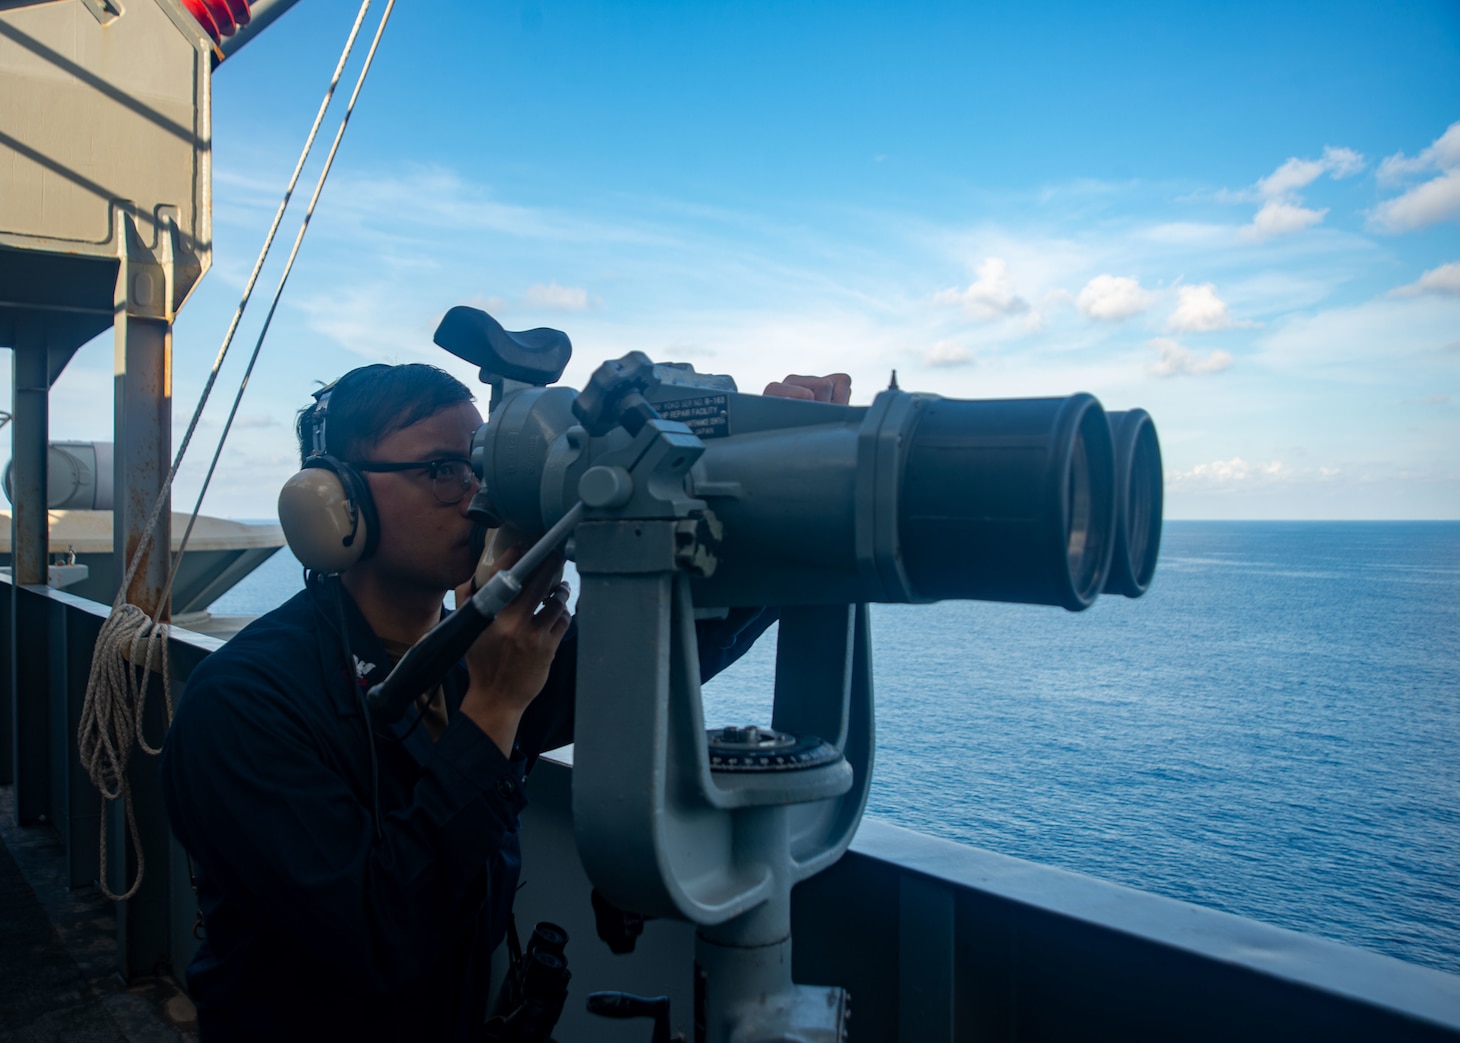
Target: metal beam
{"type": "Point", "coordinates": [143, 456]}
{"type": "Point", "coordinates": [143, 420]}
{"type": "Point", "coordinates": [29, 541]}
{"type": "Point", "coordinates": [29, 434]}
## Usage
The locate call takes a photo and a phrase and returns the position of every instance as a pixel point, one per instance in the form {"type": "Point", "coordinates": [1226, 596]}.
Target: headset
{"type": "Point", "coordinates": [326, 510]}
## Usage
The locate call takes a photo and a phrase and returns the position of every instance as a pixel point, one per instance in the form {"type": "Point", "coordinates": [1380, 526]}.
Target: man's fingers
{"type": "Point", "coordinates": [555, 599]}
{"type": "Point", "coordinates": [535, 588]}
{"type": "Point", "coordinates": [552, 611]}
{"type": "Point", "coordinates": [782, 389]}
{"type": "Point", "coordinates": [834, 387]}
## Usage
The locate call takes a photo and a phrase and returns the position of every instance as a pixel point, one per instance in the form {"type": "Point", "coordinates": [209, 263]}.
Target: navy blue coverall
{"type": "Point", "coordinates": [315, 927]}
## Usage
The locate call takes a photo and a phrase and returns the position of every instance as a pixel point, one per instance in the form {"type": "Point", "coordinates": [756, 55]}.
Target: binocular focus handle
{"type": "Point", "coordinates": [627, 1005]}
{"type": "Point", "coordinates": [427, 661]}
{"type": "Point", "coordinates": [615, 395]}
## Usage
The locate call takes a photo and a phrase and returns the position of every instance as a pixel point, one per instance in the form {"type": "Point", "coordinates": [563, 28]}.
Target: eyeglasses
{"type": "Point", "coordinates": [451, 476]}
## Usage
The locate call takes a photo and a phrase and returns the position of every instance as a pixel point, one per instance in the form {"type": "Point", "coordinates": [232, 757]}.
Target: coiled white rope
{"type": "Point", "coordinates": [130, 642]}
{"type": "Point", "coordinates": [111, 716]}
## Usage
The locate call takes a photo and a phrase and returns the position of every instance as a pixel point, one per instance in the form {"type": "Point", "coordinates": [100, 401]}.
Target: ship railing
{"type": "Point", "coordinates": [936, 941]}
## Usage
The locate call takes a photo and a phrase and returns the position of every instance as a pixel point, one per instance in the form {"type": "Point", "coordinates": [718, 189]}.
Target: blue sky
{"type": "Point", "coordinates": [1244, 218]}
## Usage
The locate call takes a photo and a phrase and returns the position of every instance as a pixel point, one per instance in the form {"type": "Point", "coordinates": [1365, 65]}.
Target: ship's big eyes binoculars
{"type": "Point", "coordinates": [913, 498]}
{"type": "Point", "coordinates": [681, 498]}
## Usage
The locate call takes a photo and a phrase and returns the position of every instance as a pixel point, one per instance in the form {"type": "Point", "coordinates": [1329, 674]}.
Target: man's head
{"type": "Point", "coordinates": [377, 496]}
{"type": "Point", "coordinates": [368, 403]}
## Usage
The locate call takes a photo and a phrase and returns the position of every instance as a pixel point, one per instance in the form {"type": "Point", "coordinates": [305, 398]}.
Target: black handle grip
{"type": "Point", "coordinates": [627, 1005]}
{"type": "Point", "coordinates": [420, 669]}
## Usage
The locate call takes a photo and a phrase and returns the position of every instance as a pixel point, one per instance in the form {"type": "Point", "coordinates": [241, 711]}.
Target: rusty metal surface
{"type": "Point", "coordinates": [143, 434]}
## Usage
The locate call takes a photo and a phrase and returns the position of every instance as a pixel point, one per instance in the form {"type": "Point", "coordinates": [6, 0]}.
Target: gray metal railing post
{"type": "Point", "coordinates": [78, 818]}
{"type": "Point", "coordinates": [7, 683]}
{"type": "Point", "coordinates": [925, 960]}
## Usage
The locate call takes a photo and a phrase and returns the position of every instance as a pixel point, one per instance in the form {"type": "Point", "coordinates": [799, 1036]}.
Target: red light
{"type": "Point", "coordinates": [239, 10]}
{"type": "Point", "coordinates": [203, 18]}
{"type": "Point", "coordinates": [219, 17]}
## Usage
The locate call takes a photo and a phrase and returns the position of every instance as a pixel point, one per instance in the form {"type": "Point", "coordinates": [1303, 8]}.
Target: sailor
{"type": "Point", "coordinates": [354, 876]}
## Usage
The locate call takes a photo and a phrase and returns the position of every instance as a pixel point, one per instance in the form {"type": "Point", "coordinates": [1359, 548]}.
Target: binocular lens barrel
{"type": "Point", "coordinates": [1138, 503]}
{"type": "Point", "coordinates": [914, 498]}
{"type": "Point", "coordinates": [1009, 501]}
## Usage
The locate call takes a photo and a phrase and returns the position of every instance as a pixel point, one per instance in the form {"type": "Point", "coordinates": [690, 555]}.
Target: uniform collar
{"type": "Point", "coordinates": [369, 665]}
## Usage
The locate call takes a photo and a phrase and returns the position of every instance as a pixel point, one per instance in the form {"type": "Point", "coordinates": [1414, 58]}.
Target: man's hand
{"type": "Point", "coordinates": [835, 388]}
{"type": "Point", "coordinates": [508, 665]}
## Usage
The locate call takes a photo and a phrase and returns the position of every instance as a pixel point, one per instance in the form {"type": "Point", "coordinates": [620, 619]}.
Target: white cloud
{"type": "Point", "coordinates": [947, 353]}
{"type": "Point", "coordinates": [1282, 212]}
{"type": "Point", "coordinates": [1177, 360]}
{"type": "Point", "coordinates": [1442, 154]}
{"type": "Point", "coordinates": [1342, 162]}
{"type": "Point", "coordinates": [1443, 280]}
{"type": "Point", "coordinates": [1110, 298]}
{"type": "Point", "coordinates": [1299, 173]}
{"type": "Point", "coordinates": [1430, 203]}
{"type": "Point", "coordinates": [1436, 200]}
{"type": "Point", "coordinates": [988, 296]}
{"type": "Point", "coordinates": [1291, 176]}
{"type": "Point", "coordinates": [1228, 473]}
{"type": "Point", "coordinates": [1198, 310]}
{"type": "Point", "coordinates": [556, 298]}
{"type": "Point", "coordinates": [1279, 218]}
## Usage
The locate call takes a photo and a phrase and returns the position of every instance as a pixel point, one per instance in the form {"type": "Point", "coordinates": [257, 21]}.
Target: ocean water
{"type": "Point", "coordinates": [1274, 730]}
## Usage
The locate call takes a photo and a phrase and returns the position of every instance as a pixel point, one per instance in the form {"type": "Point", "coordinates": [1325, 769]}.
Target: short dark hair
{"type": "Point", "coordinates": [368, 403]}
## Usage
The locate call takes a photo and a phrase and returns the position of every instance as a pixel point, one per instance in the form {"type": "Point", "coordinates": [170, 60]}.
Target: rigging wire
{"type": "Point", "coordinates": [278, 293]}
{"type": "Point", "coordinates": [116, 691]}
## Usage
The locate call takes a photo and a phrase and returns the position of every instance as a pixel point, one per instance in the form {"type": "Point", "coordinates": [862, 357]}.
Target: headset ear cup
{"type": "Point", "coordinates": [327, 515]}
{"type": "Point", "coordinates": [365, 504]}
